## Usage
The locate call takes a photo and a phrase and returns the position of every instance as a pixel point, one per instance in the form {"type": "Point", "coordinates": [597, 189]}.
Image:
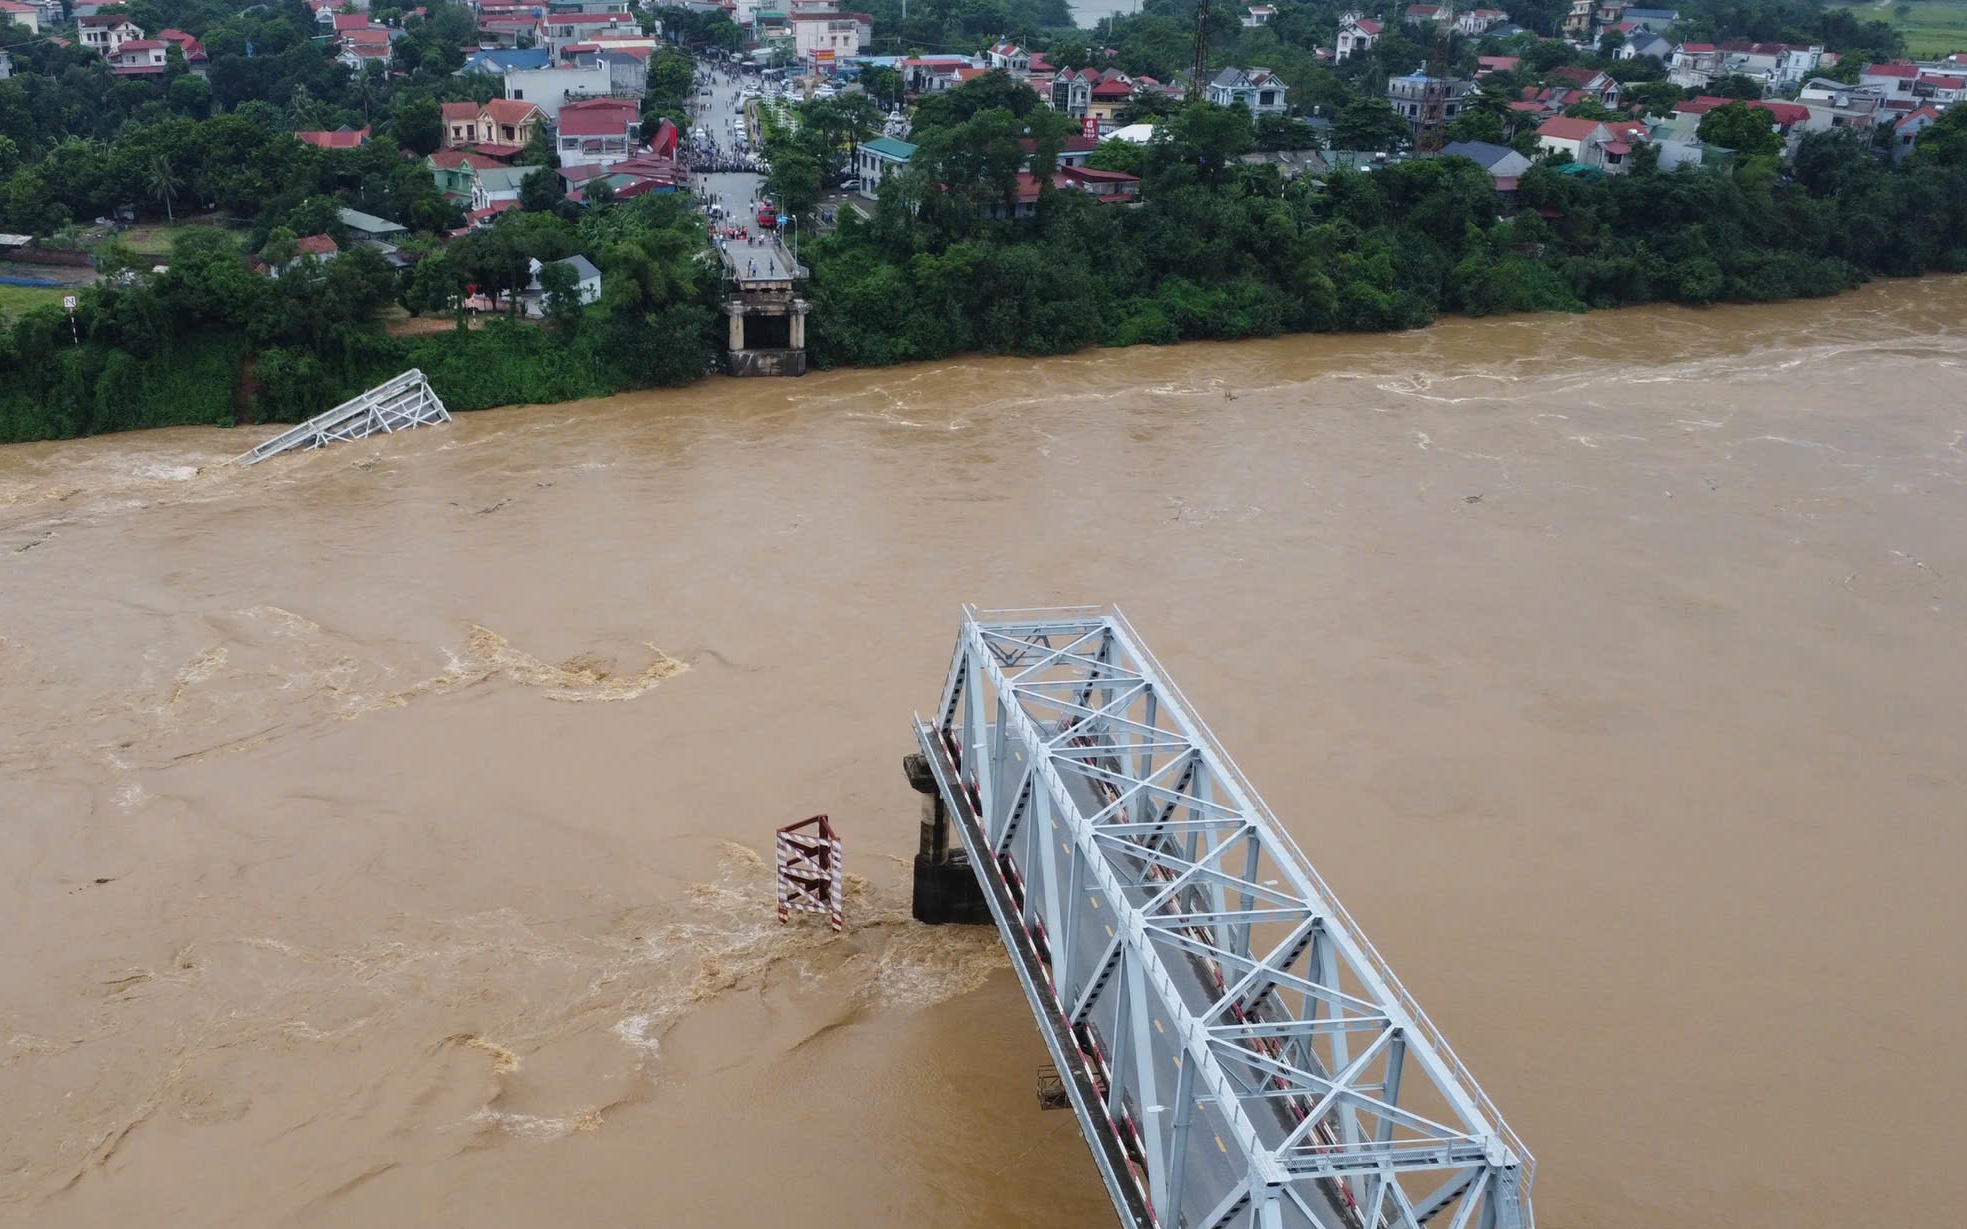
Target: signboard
{"type": "Point", "coordinates": [68, 302]}
{"type": "Point", "coordinates": [823, 56]}
{"type": "Point", "coordinates": [1090, 127]}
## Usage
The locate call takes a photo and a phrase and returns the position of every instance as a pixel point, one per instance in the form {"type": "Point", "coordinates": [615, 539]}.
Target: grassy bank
{"type": "Point", "coordinates": [1932, 28]}
{"type": "Point", "coordinates": [16, 300]}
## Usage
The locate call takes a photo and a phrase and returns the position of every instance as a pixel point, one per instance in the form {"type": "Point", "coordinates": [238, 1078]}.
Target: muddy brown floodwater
{"type": "Point", "coordinates": [380, 827]}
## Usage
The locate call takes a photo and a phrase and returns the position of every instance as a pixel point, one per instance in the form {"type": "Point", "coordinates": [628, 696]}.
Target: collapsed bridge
{"type": "Point", "coordinates": [1236, 1051]}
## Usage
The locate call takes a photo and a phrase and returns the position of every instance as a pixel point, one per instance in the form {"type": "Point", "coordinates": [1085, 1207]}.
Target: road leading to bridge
{"type": "Point", "coordinates": [737, 191]}
{"type": "Point", "coordinates": [1237, 1052]}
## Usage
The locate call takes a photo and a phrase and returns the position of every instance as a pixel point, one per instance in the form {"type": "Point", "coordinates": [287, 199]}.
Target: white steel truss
{"type": "Point", "coordinates": [1241, 1055]}
{"type": "Point", "coordinates": [406, 401]}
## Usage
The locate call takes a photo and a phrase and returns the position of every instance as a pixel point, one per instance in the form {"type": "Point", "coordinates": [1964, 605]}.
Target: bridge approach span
{"type": "Point", "coordinates": [1237, 1052]}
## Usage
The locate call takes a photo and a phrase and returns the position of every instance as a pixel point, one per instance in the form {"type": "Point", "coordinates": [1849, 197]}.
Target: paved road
{"type": "Point", "coordinates": [736, 190]}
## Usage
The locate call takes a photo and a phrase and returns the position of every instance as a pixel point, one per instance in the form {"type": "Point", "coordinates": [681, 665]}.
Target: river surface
{"type": "Point", "coordinates": [381, 827]}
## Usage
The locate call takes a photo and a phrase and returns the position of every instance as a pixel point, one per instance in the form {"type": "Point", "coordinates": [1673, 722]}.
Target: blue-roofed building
{"type": "Point", "coordinates": [498, 61]}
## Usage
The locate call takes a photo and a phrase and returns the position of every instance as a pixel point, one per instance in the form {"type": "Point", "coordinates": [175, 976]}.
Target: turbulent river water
{"type": "Point", "coordinates": [380, 828]}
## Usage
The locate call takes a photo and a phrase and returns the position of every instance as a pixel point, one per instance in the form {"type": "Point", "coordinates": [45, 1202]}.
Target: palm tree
{"type": "Point", "coordinates": [164, 184]}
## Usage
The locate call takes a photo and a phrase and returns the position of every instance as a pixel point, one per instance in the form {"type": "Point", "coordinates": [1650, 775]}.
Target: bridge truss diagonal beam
{"type": "Point", "coordinates": [1239, 1053]}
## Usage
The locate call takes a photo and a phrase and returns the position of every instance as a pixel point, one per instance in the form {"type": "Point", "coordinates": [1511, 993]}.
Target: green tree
{"type": "Point", "coordinates": [1944, 143]}
{"type": "Point", "coordinates": [1368, 124]}
{"type": "Point", "coordinates": [164, 183]}
{"type": "Point", "coordinates": [1735, 85]}
{"type": "Point", "coordinates": [1749, 131]}
{"type": "Point", "coordinates": [540, 191]}
{"type": "Point", "coordinates": [417, 124]}
{"type": "Point", "coordinates": [1473, 125]}
{"type": "Point", "coordinates": [563, 298]}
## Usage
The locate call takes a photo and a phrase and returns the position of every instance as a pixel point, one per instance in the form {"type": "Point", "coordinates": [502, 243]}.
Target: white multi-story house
{"type": "Point", "coordinates": [1258, 89]}
{"type": "Point", "coordinates": [838, 35]}
{"type": "Point", "coordinates": [1010, 57]}
{"type": "Point", "coordinates": [1356, 33]}
{"type": "Point", "coordinates": [877, 159]}
{"type": "Point", "coordinates": [107, 32]}
{"type": "Point", "coordinates": [1408, 96]}
{"type": "Point", "coordinates": [550, 88]}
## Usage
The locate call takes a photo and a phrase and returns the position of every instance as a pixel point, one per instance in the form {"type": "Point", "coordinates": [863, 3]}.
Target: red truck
{"type": "Point", "coordinates": [768, 217]}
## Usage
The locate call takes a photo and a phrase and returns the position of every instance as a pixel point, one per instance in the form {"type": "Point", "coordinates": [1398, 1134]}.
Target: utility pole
{"type": "Point", "coordinates": [1434, 98]}
{"type": "Point", "coordinates": [1199, 69]}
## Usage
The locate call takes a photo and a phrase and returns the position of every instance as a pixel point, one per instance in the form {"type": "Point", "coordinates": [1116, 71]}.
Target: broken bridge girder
{"type": "Point", "coordinates": [394, 405]}
{"type": "Point", "coordinates": [1248, 1058]}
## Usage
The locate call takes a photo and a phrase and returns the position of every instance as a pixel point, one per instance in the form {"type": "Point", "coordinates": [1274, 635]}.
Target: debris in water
{"type": "Point", "coordinates": [1471, 499]}
{"type": "Point", "coordinates": [495, 507]}
{"type": "Point", "coordinates": [25, 547]}
{"type": "Point", "coordinates": [809, 870]}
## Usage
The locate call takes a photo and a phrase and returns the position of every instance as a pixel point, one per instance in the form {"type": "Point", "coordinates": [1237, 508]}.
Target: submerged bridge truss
{"type": "Point", "coordinates": [1237, 1053]}
{"type": "Point", "coordinates": [395, 405]}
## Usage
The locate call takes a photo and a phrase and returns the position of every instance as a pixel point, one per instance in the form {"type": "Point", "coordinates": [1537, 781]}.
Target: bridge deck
{"type": "Point", "coordinates": [1237, 1052]}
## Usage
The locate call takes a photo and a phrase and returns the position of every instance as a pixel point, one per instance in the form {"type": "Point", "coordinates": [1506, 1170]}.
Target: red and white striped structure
{"type": "Point", "coordinates": [809, 870]}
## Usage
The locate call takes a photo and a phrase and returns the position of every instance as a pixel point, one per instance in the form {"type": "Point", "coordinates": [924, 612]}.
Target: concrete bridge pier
{"type": "Point", "coordinates": [946, 888]}
{"type": "Point", "coordinates": [768, 329]}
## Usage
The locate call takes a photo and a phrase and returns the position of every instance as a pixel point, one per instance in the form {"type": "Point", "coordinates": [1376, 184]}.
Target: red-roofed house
{"type": "Point", "coordinates": [598, 130]}
{"type": "Point", "coordinates": [1694, 65]}
{"type": "Point", "coordinates": [1905, 133]}
{"type": "Point", "coordinates": [193, 51]}
{"type": "Point", "coordinates": [1786, 114]}
{"type": "Point", "coordinates": [1486, 64]}
{"type": "Point", "coordinates": [502, 121]}
{"type": "Point", "coordinates": [932, 74]}
{"type": "Point", "coordinates": [1590, 80]}
{"type": "Point", "coordinates": [1010, 57]}
{"type": "Point", "coordinates": [1356, 33]}
{"type": "Point", "coordinates": [137, 57]}
{"type": "Point", "coordinates": [26, 16]}
{"type": "Point", "coordinates": [315, 245]}
{"type": "Point", "coordinates": [341, 138]}
{"type": "Point", "coordinates": [1423, 14]}
{"type": "Point", "coordinates": [1783, 115]}
{"type": "Point", "coordinates": [360, 55]}
{"type": "Point", "coordinates": [344, 22]}
{"type": "Point", "coordinates": [1607, 146]}
{"type": "Point", "coordinates": [1940, 88]}
{"type": "Point", "coordinates": [1477, 22]}
{"type": "Point", "coordinates": [1108, 187]}
{"type": "Point", "coordinates": [1898, 80]}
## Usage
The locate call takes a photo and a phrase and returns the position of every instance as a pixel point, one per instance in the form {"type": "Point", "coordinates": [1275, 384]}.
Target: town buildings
{"type": "Point", "coordinates": [1410, 98]}
{"type": "Point", "coordinates": [597, 131]}
{"type": "Point", "coordinates": [877, 159]}
{"type": "Point", "coordinates": [26, 16]}
{"type": "Point", "coordinates": [1607, 145]}
{"type": "Point", "coordinates": [1357, 32]}
{"type": "Point", "coordinates": [107, 32]}
{"type": "Point", "coordinates": [1258, 90]}
{"type": "Point", "coordinates": [504, 122]}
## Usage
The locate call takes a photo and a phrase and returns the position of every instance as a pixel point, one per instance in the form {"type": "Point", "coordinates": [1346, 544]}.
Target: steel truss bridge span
{"type": "Point", "coordinates": [1237, 1052]}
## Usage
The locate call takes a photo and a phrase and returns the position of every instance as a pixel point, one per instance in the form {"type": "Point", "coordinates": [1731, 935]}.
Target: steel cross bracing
{"type": "Point", "coordinates": [1237, 1052]}
{"type": "Point", "coordinates": [406, 401]}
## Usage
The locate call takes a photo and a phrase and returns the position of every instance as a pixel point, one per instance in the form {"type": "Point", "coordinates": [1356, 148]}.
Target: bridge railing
{"type": "Point", "coordinates": [1421, 1020]}
{"type": "Point", "coordinates": [1488, 1134]}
